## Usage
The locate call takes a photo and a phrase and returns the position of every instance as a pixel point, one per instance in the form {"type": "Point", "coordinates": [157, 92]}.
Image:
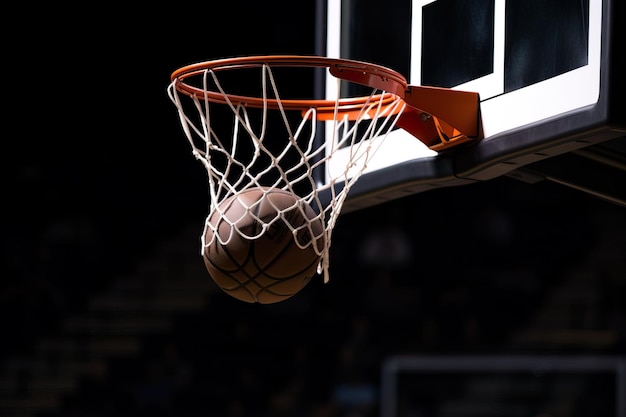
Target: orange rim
{"type": "Point", "coordinates": [372, 75]}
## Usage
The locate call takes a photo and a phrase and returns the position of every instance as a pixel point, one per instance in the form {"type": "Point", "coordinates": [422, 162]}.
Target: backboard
{"type": "Point", "coordinates": [547, 73]}
{"type": "Point", "coordinates": [503, 386]}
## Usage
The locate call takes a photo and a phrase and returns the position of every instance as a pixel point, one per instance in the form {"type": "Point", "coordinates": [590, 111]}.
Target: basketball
{"type": "Point", "coordinates": [251, 251]}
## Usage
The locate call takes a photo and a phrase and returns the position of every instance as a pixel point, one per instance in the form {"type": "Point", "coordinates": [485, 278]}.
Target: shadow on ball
{"type": "Point", "coordinates": [251, 250]}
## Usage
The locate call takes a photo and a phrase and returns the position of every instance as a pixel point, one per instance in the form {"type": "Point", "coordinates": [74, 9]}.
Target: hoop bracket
{"type": "Point", "coordinates": [453, 116]}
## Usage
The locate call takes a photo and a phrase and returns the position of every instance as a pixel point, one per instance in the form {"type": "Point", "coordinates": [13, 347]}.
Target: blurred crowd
{"type": "Point", "coordinates": [451, 272]}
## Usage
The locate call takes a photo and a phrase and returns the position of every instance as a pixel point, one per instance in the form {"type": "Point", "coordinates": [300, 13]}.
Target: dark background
{"type": "Point", "coordinates": [99, 178]}
{"type": "Point", "coordinates": [96, 140]}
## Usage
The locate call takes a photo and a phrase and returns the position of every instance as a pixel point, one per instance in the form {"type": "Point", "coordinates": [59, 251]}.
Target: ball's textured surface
{"type": "Point", "coordinates": [267, 266]}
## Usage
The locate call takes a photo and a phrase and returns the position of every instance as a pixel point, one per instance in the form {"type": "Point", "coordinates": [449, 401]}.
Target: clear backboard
{"type": "Point", "coordinates": [547, 73]}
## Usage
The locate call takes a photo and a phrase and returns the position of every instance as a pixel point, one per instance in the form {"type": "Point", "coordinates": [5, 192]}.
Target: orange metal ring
{"type": "Point", "coordinates": [372, 75]}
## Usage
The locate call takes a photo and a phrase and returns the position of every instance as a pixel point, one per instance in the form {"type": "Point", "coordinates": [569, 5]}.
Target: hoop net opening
{"type": "Point", "coordinates": [277, 143]}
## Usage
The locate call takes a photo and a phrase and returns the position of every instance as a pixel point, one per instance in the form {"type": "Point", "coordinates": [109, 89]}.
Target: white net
{"type": "Point", "coordinates": [270, 146]}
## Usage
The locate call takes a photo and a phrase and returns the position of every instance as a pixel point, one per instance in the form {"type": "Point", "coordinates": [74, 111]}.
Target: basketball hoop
{"type": "Point", "coordinates": [273, 141]}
